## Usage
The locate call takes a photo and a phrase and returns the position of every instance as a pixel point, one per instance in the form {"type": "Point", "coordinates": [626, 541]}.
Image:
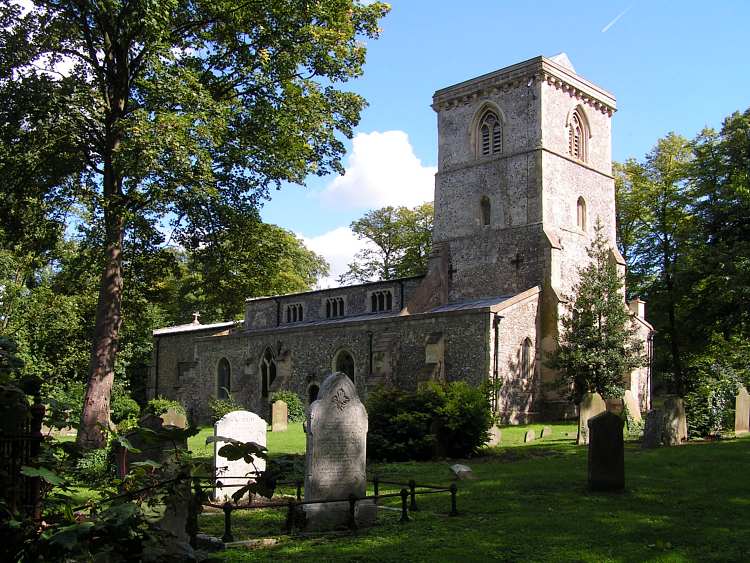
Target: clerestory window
{"type": "Point", "coordinates": [294, 313]}
{"type": "Point", "coordinates": [381, 301]}
{"type": "Point", "coordinates": [334, 307]}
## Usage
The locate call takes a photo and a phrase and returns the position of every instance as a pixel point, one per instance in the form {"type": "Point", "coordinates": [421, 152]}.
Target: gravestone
{"type": "Point", "coordinates": [546, 432]}
{"type": "Point", "coordinates": [335, 457]}
{"type": "Point", "coordinates": [631, 404]}
{"type": "Point", "coordinates": [156, 447]}
{"type": "Point", "coordinates": [742, 412]}
{"type": "Point", "coordinates": [174, 419]}
{"type": "Point", "coordinates": [462, 472]}
{"type": "Point", "coordinates": [591, 405]}
{"type": "Point", "coordinates": [529, 436]}
{"type": "Point", "coordinates": [244, 426]}
{"type": "Point", "coordinates": [279, 417]}
{"type": "Point", "coordinates": [675, 422]}
{"type": "Point", "coordinates": [606, 453]}
{"type": "Point", "coordinates": [496, 436]}
{"type": "Point", "coordinates": [654, 429]}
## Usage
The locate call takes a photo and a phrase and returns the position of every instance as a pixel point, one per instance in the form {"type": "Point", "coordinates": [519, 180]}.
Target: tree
{"type": "Point", "coordinates": [399, 242]}
{"type": "Point", "coordinates": [170, 112]}
{"type": "Point", "coordinates": [598, 345]}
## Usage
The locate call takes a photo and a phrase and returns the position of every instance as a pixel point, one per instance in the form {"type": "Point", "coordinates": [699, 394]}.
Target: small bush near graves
{"type": "Point", "coordinates": [94, 466]}
{"type": "Point", "coordinates": [295, 409]}
{"type": "Point", "coordinates": [438, 420]}
{"type": "Point", "coordinates": [124, 407]}
{"type": "Point", "coordinates": [709, 406]}
{"type": "Point", "coordinates": [220, 407]}
{"type": "Point", "coordinates": [160, 405]}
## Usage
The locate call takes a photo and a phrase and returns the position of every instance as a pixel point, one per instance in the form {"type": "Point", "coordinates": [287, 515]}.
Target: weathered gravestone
{"type": "Point", "coordinates": [654, 429]}
{"type": "Point", "coordinates": [462, 472]}
{"type": "Point", "coordinates": [243, 426]}
{"type": "Point", "coordinates": [591, 405]}
{"type": "Point", "coordinates": [546, 432]}
{"type": "Point", "coordinates": [606, 453]}
{"type": "Point", "coordinates": [335, 458]}
{"type": "Point", "coordinates": [496, 436]}
{"type": "Point", "coordinates": [529, 436]}
{"type": "Point", "coordinates": [675, 422]}
{"type": "Point", "coordinates": [156, 445]}
{"type": "Point", "coordinates": [742, 412]}
{"type": "Point", "coordinates": [632, 406]}
{"type": "Point", "coordinates": [279, 417]}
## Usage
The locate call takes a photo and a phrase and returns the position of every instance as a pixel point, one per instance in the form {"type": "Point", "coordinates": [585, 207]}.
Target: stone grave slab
{"type": "Point", "coordinates": [591, 405]}
{"type": "Point", "coordinates": [675, 422]}
{"type": "Point", "coordinates": [634, 409]}
{"type": "Point", "coordinates": [653, 431]}
{"type": "Point", "coordinates": [606, 463]}
{"type": "Point", "coordinates": [335, 457]}
{"type": "Point", "coordinates": [279, 416]}
{"type": "Point", "coordinates": [530, 436]}
{"type": "Point", "coordinates": [546, 432]}
{"type": "Point", "coordinates": [496, 436]}
{"type": "Point", "coordinates": [742, 412]}
{"type": "Point", "coordinates": [244, 426]}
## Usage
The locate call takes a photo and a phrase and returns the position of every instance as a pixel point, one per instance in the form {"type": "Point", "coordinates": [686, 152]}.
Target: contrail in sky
{"type": "Point", "coordinates": [614, 21]}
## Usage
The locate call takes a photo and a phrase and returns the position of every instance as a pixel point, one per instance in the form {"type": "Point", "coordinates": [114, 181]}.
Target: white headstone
{"type": "Point", "coordinates": [246, 427]}
{"type": "Point", "coordinates": [336, 450]}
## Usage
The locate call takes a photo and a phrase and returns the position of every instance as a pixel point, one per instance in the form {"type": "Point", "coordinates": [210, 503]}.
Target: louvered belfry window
{"type": "Point", "coordinates": [491, 134]}
{"type": "Point", "coordinates": [577, 137]}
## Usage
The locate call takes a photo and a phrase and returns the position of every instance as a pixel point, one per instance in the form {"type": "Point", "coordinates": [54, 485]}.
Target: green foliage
{"type": "Point", "coordinates": [401, 240]}
{"type": "Point", "coordinates": [295, 408]}
{"type": "Point", "coordinates": [160, 405]}
{"type": "Point", "coordinates": [220, 407]}
{"type": "Point", "coordinates": [123, 405]}
{"type": "Point", "coordinates": [95, 466]}
{"type": "Point", "coordinates": [451, 419]}
{"type": "Point", "coordinates": [10, 363]}
{"type": "Point", "coordinates": [598, 345]}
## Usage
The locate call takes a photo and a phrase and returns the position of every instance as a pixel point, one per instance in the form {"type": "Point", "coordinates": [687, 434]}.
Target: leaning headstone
{"type": "Point", "coordinates": [675, 422]}
{"type": "Point", "coordinates": [462, 472]}
{"type": "Point", "coordinates": [591, 405]}
{"type": "Point", "coordinates": [335, 458]}
{"type": "Point", "coordinates": [529, 436]}
{"type": "Point", "coordinates": [654, 429]}
{"type": "Point", "coordinates": [244, 426]}
{"type": "Point", "coordinates": [606, 453]}
{"type": "Point", "coordinates": [279, 417]}
{"type": "Point", "coordinates": [632, 406]}
{"type": "Point", "coordinates": [496, 436]}
{"type": "Point", "coordinates": [742, 412]}
{"type": "Point", "coordinates": [546, 432]}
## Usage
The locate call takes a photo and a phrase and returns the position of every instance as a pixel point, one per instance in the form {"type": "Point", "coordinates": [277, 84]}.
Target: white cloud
{"type": "Point", "coordinates": [381, 170]}
{"type": "Point", "coordinates": [338, 247]}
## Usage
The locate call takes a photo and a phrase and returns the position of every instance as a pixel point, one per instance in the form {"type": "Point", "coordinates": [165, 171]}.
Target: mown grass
{"type": "Point", "coordinates": [530, 503]}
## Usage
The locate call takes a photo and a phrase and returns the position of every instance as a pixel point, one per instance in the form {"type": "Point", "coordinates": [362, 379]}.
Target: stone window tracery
{"type": "Point", "coordinates": [267, 372]}
{"type": "Point", "coordinates": [223, 380]}
{"type": "Point", "coordinates": [577, 136]}
{"type": "Point", "coordinates": [490, 134]}
{"type": "Point", "coordinates": [334, 307]}
{"type": "Point", "coordinates": [381, 301]}
{"type": "Point", "coordinates": [294, 313]}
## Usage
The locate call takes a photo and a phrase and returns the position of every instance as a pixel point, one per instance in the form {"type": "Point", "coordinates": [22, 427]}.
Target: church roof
{"type": "Point", "coordinates": [193, 327]}
{"type": "Point", "coordinates": [471, 304]}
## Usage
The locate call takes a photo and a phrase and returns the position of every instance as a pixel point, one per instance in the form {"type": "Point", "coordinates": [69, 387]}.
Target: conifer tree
{"type": "Point", "coordinates": [598, 345]}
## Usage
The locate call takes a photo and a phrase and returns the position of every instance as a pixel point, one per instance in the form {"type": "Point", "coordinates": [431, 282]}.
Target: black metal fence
{"type": "Point", "coordinates": [408, 494]}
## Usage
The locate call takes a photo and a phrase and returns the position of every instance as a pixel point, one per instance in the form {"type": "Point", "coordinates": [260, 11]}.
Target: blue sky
{"type": "Point", "coordinates": [673, 66]}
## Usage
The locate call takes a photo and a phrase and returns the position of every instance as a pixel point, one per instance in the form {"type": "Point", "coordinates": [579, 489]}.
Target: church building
{"type": "Point", "coordinates": [524, 173]}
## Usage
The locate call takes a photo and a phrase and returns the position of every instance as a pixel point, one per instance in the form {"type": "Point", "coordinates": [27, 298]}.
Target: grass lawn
{"type": "Point", "coordinates": [279, 443]}
{"type": "Point", "coordinates": [530, 503]}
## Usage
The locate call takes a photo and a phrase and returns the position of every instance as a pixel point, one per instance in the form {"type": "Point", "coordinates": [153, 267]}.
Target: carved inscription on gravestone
{"type": "Point", "coordinates": [336, 449]}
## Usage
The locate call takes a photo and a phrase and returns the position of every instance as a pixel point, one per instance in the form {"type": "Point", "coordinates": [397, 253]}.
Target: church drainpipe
{"type": "Point", "coordinates": [496, 362]}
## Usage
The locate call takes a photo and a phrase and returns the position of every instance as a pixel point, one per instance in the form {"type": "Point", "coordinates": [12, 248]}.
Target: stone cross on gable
{"type": "Point", "coordinates": [196, 318]}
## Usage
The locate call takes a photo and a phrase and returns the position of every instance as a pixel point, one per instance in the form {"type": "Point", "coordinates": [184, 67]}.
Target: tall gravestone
{"type": "Point", "coordinates": [632, 406]}
{"type": "Point", "coordinates": [742, 412]}
{"type": "Point", "coordinates": [279, 417]}
{"type": "Point", "coordinates": [653, 431]}
{"type": "Point", "coordinates": [675, 422]}
{"type": "Point", "coordinates": [335, 459]}
{"type": "Point", "coordinates": [606, 453]}
{"type": "Point", "coordinates": [244, 426]}
{"type": "Point", "coordinates": [591, 405]}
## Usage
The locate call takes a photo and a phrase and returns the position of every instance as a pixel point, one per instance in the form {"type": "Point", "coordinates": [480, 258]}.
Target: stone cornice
{"type": "Point", "coordinates": [536, 70]}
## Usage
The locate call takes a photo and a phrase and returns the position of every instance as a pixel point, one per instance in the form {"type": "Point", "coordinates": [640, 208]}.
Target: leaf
{"type": "Point", "coordinates": [43, 473]}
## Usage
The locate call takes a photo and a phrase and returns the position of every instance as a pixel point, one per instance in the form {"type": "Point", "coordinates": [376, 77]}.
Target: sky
{"type": "Point", "coordinates": [672, 66]}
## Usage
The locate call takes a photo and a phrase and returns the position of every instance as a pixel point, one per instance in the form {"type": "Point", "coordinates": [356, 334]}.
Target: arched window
{"type": "Point", "coordinates": [334, 307]}
{"type": "Point", "coordinates": [527, 365]}
{"type": "Point", "coordinates": [581, 213]}
{"type": "Point", "coordinates": [485, 206]}
{"type": "Point", "coordinates": [294, 313]}
{"type": "Point", "coordinates": [267, 372]}
{"type": "Point", "coordinates": [312, 393]}
{"type": "Point", "coordinates": [577, 136]}
{"type": "Point", "coordinates": [381, 300]}
{"type": "Point", "coordinates": [490, 137]}
{"type": "Point", "coordinates": [344, 363]}
{"type": "Point", "coordinates": [223, 380]}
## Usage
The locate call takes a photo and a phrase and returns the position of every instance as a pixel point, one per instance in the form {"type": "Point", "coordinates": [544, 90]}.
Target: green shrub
{"type": "Point", "coordinates": [296, 409]}
{"type": "Point", "coordinates": [160, 405]}
{"type": "Point", "coordinates": [65, 403]}
{"type": "Point", "coordinates": [220, 407]}
{"type": "Point", "coordinates": [451, 419]}
{"type": "Point", "coordinates": [709, 405]}
{"type": "Point", "coordinates": [94, 466]}
{"type": "Point", "coordinates": [123, 407]}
